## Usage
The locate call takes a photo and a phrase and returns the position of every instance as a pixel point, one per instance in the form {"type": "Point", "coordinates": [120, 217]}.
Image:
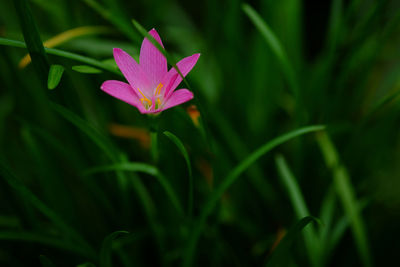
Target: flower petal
{"type": "Point", "coordinates": [132, 71]}
{"type": "Point", "coordinates": [152, 61]}
{"type": "Point", "coordinates": [124, 92]}
{"type": "Point", "coordinates": [178, 97]}
{"type": "Point", "coordinates": [185, 66]}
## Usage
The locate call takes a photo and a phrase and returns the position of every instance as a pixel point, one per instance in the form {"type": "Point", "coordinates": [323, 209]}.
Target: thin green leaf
{"type": "Point", "coordinates": [230, 179]}
{"type": "Point", "coordinates": [55, 74]}
{"type": "Point", "coordinates": [182, 149]}
{"type": "Point", "coordinates": [65, 54]}
{"type": "Point", "coordinates": [131, 166]}
{"type": "Point", "coordinates": [275, 46]}
{"type": "Point", "coordinates": [105, 253]}
{"type": "Point", "coordinates": [280, 256]}
{"type": "Point", "coordinates": [300, 208]}
{"type": "Point", "coordinates": [86, 69]}
{"type": "Point", "coordinates": [32, 39]}
{"type": "Point", "coordinates": [347, 196]}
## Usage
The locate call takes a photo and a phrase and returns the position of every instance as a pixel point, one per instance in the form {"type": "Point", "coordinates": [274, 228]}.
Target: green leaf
{"type": "Point", "coordinates": [346, 195]}
{"type": "Point", "coordinates": [106, 249]}
{"type": "Point", "coordinates": [230, 179]}
{"type": "Point", "coordinates": [55, 74]}
{"type": "Point", "coordinates": [300, 207]}
{"type": "Point", "coordinates": [32, 39]}
{"type": "Point", "coordinates": [280, 256]}
{"type": "Point", "coordinates": [182, 149]}
{"type": "Point", "coordinates": [276, 47]}
{"type": "Point", "coordinates": [131, 166]}
{"type": "Point", "coordinates": [85, 69]}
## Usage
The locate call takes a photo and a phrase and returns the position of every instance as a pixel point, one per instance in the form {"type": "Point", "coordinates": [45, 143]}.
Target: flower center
{"type": "Point", "coordinates": [147, 103]}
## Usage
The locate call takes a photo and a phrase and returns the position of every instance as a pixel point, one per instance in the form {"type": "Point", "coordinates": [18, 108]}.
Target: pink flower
{"type": "Point", "coordinates": [151, 87]}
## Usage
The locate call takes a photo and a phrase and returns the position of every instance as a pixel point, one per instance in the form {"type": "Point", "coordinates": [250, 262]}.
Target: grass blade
{"type": "Point", "coordinates": [275, 46]}
{"type": "Point", "coordinates": [346, 195]}
{"type": "Point", "coordinates": [230, 179]}
{"type": "Point", "coordinates": [300, 208]}
{"type": "Point", "coordinates": [55, 74]}
{"type": "Point", "coordinates": [183, 150]}
{"type": "Point", "coordinates": [280, 255]}
{"type": "Point", "coordinates": [32, 39]}
{"type": "Point", "coordinates": [105, 253]}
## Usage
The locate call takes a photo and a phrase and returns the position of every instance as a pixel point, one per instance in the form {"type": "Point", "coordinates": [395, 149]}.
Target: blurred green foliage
{"type": "Point", "coordinates": [76, 165]}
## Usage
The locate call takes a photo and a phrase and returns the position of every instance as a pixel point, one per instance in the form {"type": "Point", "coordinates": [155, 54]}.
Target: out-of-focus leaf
{"type": "Point", "coordinates": [32, 39]}
{"type": "Point", "coordinates": [55, 74]}
{"type": "Point", "coordinates": [85, 69]}
{"type": "Point", "coordinates": [347, 195]}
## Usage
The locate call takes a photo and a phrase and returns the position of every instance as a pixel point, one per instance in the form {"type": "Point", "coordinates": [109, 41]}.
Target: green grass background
{"type": "Point", "coordinates": [299, 117]}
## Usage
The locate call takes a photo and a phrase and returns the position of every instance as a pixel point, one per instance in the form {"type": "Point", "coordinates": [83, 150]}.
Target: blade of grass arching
{"type": "Point", "coordinates": [26, 194]}
{"type": "Point", "coordinates": [346, 195]}
{"type": "Point", "coordinates": [121, 22]}
{"type": "Point", "coordinates": [280, 256]}
{"type": "Point", "coordinates": [300, 207]}
{"type": "Point", "coordinates": [276, 48]}
{"type": "Point", "coordinates": [32, 39]}
{"type": "Point", "coordinates": [334, 27]}
{"type": "Point", "coordinates": [65, 54]}
{"type": "Point", "coordinates": [144, 168]}
{"type": "Point", "coordinates": [34, 238]}
{"type": "Point", "coordinates": [106, 248]}
{"type": "Point", "coordinates": [230, 179]}
{"type": "Point", "coordinates": [183, 150]}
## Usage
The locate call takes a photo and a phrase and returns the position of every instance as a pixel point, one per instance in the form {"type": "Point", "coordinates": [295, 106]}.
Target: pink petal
{"type": "Point", "coordinates": [178, 97]}
{"type": "Point", "coordinates": [152, 61]}
{"type": "Point", "coordinates": [136, 77]}
{"type": "Point", "coordinates": [124, 92]}
{"type": "Point", "coordinates": [185, 66]}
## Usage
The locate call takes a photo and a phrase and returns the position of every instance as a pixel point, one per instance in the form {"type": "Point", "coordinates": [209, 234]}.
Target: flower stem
{"type": "Point", "coordinates": [153, 137]}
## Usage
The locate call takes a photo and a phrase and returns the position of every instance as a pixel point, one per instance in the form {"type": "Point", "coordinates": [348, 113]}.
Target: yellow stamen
{"type": "Point", "coordinates": [144, 98]}
{"type": "Point", "coordinates": [158, 89]}
{"type": "Point", "coordinates": [158, 101]}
